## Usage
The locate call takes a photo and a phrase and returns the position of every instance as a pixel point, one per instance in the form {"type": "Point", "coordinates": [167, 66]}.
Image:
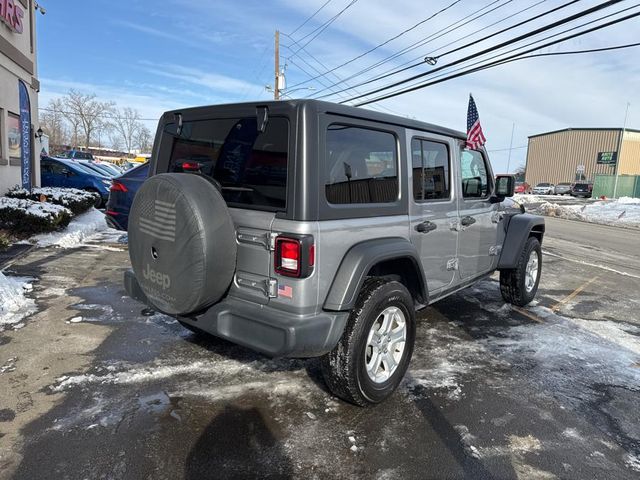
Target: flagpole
{"type": "Point", "coordinates": [513, 127]}
{"type": "Point", "coordinates": [618, 154]}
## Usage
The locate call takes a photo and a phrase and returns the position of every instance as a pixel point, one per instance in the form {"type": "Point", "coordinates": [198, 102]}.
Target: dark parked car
{"type": "Point", "coordinates": [123, 190]}
{"type": "Point", "coordinates": [56, 172]}
{"type": "Point", "coordinates": [582, 189]}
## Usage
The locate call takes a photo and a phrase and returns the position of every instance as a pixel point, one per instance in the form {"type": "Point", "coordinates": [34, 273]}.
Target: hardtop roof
{"type": "Point", "coordinates": [319, 106]}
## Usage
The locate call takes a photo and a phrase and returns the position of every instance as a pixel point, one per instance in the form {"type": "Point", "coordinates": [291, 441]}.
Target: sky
{"type": "Point", "coordinates": [157, 56]}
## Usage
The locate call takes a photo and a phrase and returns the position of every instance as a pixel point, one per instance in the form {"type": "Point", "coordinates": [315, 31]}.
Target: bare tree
{"type": "Point", "coordinates": [88, 112]}
{"type": "Point", "coordinates": [144, 140]}
{"type": "Point", "coordinates": [519, 172]}
{"type": "Point", "coordinates": [52, 121]}
{"type": "Point", "coordinates": [126, 124]}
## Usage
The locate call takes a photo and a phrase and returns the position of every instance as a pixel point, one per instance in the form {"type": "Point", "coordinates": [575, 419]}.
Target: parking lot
{"type": "Point", "coordinates": [92, 388]}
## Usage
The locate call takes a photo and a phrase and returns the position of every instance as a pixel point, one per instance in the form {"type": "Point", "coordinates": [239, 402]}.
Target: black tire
{"type": "Point", "coordinates": [344, 368]}
{"type": "Point", "coordinates": [512, 282]}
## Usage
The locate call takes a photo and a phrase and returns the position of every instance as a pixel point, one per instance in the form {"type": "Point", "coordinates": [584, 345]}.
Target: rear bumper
{"type": "Point", "coordinates": [267, 330]}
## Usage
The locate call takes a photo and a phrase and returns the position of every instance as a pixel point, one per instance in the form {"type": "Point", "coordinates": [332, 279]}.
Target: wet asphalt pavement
{"type": "Point", "coordinates": [551, 391]}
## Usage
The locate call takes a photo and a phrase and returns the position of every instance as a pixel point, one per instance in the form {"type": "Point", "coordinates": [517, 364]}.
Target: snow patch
{"type": "Point", "coordinates": [80, 229]}
{"type": "Point", "coordinates": [14, 305]}
{"type": "Point", "coordinates": [633, 462]}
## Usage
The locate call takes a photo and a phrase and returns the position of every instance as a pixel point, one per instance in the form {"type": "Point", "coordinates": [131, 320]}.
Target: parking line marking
{"type": "Point", "coordinates": [582, 262]}
{"type": "Point", "coordinates": [573, 294]}
{"type": "Point", "coordinates": [527, 314]}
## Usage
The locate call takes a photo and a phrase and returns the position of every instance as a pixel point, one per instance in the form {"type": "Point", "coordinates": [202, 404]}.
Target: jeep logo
{"type": "Point", "coordinates": [159, 278]}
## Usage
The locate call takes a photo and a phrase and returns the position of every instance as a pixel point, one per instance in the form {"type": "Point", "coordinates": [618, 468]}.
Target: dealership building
{"type": "Point", "coordinates": [19, 145]}
{"type": "Point", "coordinates": [582, 154]}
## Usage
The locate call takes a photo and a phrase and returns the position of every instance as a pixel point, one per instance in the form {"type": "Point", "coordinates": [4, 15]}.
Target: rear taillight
{"type": "Point", "coordinates": [294, 255]}
{"type": "Point", "coordinates": [191, 166]}
{"type": "Point", "coordinates": [117, 186]}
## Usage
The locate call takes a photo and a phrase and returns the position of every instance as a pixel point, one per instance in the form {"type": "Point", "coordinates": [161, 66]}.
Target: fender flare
{"type": "Point", "coordinates": [359, 260]}
{"type": "Point", "coordinates": [518, 231]}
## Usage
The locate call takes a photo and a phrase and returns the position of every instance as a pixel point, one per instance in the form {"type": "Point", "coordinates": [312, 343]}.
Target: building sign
{"type": "Point", "coordinates": [25, 135]}
{"type": "Point", "coordinates": [11, 15]}
{"type": "Point", "coordinates": [607, 158]}
{"type": "Point", "coordinates": [13, 125]}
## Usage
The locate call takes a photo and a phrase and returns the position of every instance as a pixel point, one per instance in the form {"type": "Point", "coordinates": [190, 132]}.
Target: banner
{"type": "Point", "coordinates": [25, 134]}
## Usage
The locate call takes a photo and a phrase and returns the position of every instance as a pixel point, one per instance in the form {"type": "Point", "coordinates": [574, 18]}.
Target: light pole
{"type": "Point", "coordinates": [619, 151]}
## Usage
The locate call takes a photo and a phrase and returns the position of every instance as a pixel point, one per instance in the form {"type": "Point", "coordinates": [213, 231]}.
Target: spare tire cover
{"type": "Point", "coordinates": [182, 242]}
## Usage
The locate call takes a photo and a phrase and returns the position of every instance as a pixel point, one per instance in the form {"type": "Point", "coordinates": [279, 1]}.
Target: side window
{"type": "Point", "coordinates": [362, 165]}
{"type": "Point", "coordinates": [58, 169]}
{"type": "Point", "coordinates": [431, 178]}
{"type": "Point", "coordinates": [475, 180]}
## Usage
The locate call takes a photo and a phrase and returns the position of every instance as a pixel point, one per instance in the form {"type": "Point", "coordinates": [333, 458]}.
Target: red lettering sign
{"type": "Point", "coordinates": [11, 15]}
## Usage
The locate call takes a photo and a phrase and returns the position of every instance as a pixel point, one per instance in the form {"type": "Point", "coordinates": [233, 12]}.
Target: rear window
{"type": "Point", "coordinates": [250, 166]}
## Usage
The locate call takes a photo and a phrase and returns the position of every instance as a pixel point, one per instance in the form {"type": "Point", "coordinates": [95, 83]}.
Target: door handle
{"type": "Point", "coordinates": [466, 221]}
{"type": "Point", "coordinates": [426, 227]}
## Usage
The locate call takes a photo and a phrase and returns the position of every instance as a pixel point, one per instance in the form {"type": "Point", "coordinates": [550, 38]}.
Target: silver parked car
{"type": "Point", "coordinates": [562, 189]}
{"type": "Point", "coordinates": [310, 229]}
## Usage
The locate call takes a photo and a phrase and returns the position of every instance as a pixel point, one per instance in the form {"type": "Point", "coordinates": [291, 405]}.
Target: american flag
{"type": "Point", "coordinates": [475, 137]}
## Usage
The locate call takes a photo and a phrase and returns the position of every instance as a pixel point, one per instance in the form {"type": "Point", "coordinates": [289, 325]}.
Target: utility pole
{"type": "Point", "coordinates": [619, 152]}
{"type": "Point", "coordinates": [513, 127]}
{"type": "Point", "coordinates": [276, 84]}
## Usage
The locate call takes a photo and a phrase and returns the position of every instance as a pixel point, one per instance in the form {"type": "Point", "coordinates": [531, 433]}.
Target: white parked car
{"type": "Point", "coordinates": [544, 189]}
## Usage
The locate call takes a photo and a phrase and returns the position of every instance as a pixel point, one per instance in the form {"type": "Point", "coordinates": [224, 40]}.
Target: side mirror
{"type": "Point", "coordinates": [505, 185]}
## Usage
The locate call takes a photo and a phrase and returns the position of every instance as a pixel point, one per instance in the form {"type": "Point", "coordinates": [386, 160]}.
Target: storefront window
{"type": "Point", "coordinates": [13, 131]}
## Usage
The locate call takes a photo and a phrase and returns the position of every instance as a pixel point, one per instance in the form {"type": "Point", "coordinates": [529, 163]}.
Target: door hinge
{"type": "Point", "coordinates": [452, 264]}
{"type": "Point", "coordinates": [495, 250]}
{"type": "Point", "coordinates": [271, 239]}
{"type": "Point", "coordinates": [454, 224]}
{"type": "Point", "coordinates": [272, 288]}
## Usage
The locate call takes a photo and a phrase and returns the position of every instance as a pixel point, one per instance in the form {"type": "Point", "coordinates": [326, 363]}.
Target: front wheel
{"type": "Point", "coordinates": [369, 361]}
{"type": "Point", "coordinates": [519, 286]}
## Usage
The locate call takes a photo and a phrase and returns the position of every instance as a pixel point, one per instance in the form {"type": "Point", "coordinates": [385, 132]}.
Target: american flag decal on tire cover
{"type": "Point", "coordinates": [159, 221]}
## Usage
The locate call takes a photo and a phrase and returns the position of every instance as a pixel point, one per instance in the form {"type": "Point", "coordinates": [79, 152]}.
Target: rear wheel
{"type": "Point", "coordinates": [519, 286]}
{"type": "Point", "coordinates": [373, 354]}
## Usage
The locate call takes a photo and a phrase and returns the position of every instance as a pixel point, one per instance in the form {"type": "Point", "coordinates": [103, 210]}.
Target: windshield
{"type": "Point", "coordinates": [250, 166]}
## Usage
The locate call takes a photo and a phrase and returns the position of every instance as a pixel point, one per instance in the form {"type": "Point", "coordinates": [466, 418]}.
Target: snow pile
{"type": "Point", "coordinates": [79, 230]}
{"type": "Point", "coordinates": [625, 211]}
{"type": "Point", "coordinates": [14, 305]}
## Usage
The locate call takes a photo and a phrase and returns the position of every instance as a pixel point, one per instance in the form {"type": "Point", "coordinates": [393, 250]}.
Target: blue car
{"type": "Point", "coordinates": [56, 172]}
{"type": "Point", "coordinates": [123, 190]}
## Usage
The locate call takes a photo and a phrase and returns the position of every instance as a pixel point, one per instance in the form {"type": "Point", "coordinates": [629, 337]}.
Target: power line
{"type": "Point", "coordinates": [497, 47]}
{"type": "Point", "coordinates": [404, 32]}
{"type": "Point", "coordinates": [506, 149]}
{"type": "Point", "coordinates": [500, 61]}
{"type": "Point", "coordinates": [426, 40]}
{"type": "Point", "coordinates": [519, 24]}
{"type": "Point", "coordinates": [322, 65]}
{"type": "Point", "coordinates": [323, 27]}
{"type": "Point", "coordinates": [310, 17]}
{"type": "Point", "coordinates": [443, 74]}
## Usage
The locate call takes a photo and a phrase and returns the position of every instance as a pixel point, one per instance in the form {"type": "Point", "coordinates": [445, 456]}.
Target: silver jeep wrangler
{"type": "Point", "coordinates": [309, 229]}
